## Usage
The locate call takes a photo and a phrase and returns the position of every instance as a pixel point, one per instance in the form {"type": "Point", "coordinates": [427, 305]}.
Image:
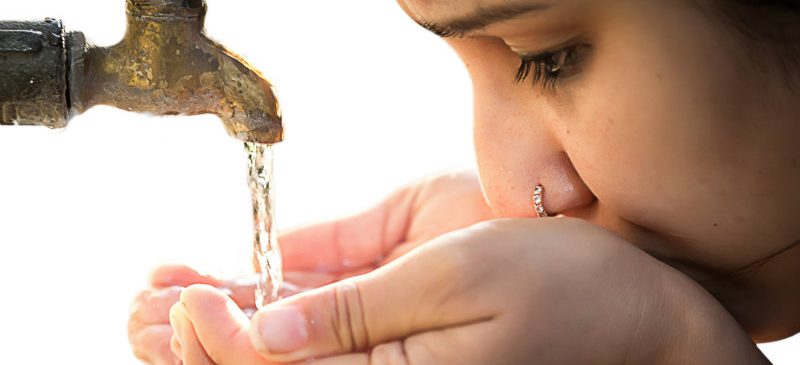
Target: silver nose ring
{"type": "Point", "coordinates": [538, 201]}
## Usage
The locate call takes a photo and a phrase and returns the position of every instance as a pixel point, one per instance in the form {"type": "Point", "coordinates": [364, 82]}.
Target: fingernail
{"type": "Point", "coordinates": [282, 330]}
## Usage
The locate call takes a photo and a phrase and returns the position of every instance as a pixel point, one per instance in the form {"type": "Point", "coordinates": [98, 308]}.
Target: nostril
{"type": "Point", "coordinates": [564, 188]}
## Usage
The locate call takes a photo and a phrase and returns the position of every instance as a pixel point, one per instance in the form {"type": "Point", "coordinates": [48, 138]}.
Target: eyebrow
{"type": "Point", "coordinates": [481, 18]}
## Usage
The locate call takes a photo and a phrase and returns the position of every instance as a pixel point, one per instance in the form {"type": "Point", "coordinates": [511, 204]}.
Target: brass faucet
{"type": "Point", "coordinates": [165, 65]}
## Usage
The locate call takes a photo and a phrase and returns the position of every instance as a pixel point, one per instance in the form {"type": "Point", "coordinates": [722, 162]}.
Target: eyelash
{"type": "Point", "coordinates": [549, 68]}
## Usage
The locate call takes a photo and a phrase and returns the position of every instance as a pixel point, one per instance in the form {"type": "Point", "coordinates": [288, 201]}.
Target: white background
{"type": "Point", "coordinates": [370, 102]}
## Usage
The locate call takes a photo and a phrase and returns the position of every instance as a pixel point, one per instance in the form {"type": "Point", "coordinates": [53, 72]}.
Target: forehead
{"type": "Point", "coordinates": [448, 18]}
{"type": "Point", "coordinates": [468, 13]}
{"type": "Point", "coordinates": [446, 9]}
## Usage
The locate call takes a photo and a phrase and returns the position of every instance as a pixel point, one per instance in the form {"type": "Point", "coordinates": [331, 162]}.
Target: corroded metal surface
{"type": "Point", "coordinates": [166, 65]}
{"type": "Point", "coordinates": [33, 73]}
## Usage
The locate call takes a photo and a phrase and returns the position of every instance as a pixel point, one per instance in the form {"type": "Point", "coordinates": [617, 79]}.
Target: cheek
{"type": "Point", "coordinates": [506, 176]}
{"type": "Point", "coordinates": [646, 118]}
{"type": "Point", "coordinates": [654, 136]}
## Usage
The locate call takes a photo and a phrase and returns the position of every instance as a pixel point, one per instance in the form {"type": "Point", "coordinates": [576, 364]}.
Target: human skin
{"type": "Point", "coordinates": [321, 253]}
{"type": "Point", "coordinates": [509, 291]}
{"type": "Point", "coordinates": [667, 131]}
{"type": "Point", "coordinates": [519, 268]}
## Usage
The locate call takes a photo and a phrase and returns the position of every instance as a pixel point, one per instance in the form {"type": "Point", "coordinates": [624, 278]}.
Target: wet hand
{"type": "Point", "coordinates": [149, 330]}
{"type": "Point", "coordinates": [503, 292]}
{"type": "Point", "coordinates": [322, 253]}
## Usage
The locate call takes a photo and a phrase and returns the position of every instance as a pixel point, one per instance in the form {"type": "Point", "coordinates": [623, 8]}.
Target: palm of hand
{"type": "Point", "coordinates": [545, 283]}
{"type": "Point", "coordinates": [332, 251]}
{"type": "Point", "coordinates": [321, 254]}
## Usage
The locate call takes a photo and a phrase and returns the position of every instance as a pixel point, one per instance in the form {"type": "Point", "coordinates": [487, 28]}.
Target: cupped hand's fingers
{"type": "Point", "coordinates": [152, 307]}
{"type": "Point", "coordinates": [149, 331]}
{"type": "Point", "coordinates": [185, 342]}
{"type": "Point", "coordinates": [302, 281]}
{"type": "Point", "coordinates": [430, 289]}
{"type": "Point", "coordinates": [393, 353]}
{"type": "Point", "coordinates": [170, 276]}
{"type": "Point", "coordinates": [148, 326]}
{"type": "Point", "coordinates": [472, 344]}
{"type": "Point", "coordinates": [349, 243]}
{"type": "Point", "coordinates": [220, 325]}
{"type": "Point", "coordinates": [179, 275]}
{"type": "Point", "coordinates": [241, 290]}
{"type": "Point", "coordinates": [299, 282]}
{"type": "Point", "coordinates": [151, 345]}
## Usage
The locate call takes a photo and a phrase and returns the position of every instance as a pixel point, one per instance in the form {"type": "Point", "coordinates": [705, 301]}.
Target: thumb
{"type": "Point", "coordinates": [221, 327]}
{"type": "Point", "coordinates": [425, 290]}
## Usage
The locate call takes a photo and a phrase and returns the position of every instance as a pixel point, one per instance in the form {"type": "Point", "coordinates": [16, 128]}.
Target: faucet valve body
{"type": "Point", "coordinates": [165, 65]}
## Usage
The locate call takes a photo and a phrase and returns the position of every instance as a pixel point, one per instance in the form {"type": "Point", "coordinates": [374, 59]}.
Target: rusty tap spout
{"type": "Point", "coordinates": [166, 65]}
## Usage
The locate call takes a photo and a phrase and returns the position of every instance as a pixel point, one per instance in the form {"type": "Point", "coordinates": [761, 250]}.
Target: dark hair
{"type": "Point", "coordinates": [770, 26]}
{"type": "Point", "coordinates": [773, 20]}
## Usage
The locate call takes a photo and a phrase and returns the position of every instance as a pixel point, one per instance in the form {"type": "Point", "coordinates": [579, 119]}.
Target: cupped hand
{"type": "Point", "coordinates": [527, 291]}
{"type": "Point", "coordinates": [149, 330]}
{"type": "Point", "coordinates": [326, 252]}
{"type": "Point", "coordinates": [321, 254]}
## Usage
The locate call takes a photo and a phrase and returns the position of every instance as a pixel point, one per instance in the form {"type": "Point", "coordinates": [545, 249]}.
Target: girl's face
{"type": "Point", "coordinates": [655, 119]}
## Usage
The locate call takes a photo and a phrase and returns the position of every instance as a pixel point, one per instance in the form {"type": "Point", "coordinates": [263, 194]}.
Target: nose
{"type": "Point", "coordinates": [564, 188]}
{"type": "Point", "coordinates": [510, 169]}
{"type": "Point", "coordinates": [517, 144]}
{"type": "Point", "coordinates": [518, 140]}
